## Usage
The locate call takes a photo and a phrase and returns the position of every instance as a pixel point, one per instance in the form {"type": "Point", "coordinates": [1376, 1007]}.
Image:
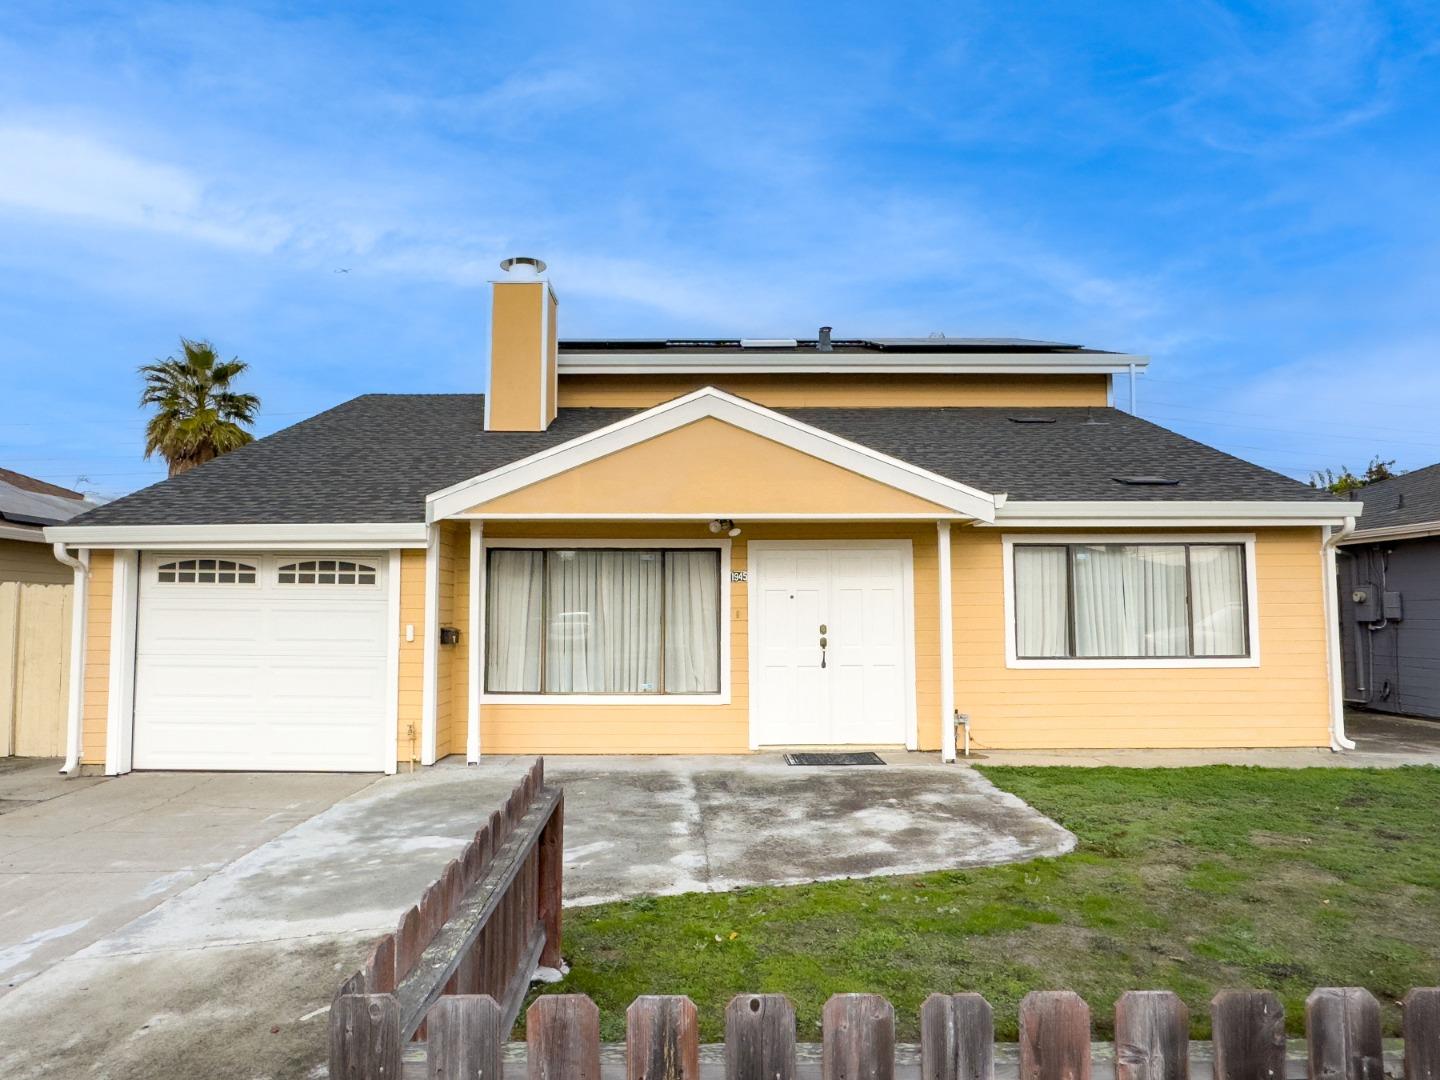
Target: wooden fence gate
{"type": "Point", "coordinates": [34, 668]}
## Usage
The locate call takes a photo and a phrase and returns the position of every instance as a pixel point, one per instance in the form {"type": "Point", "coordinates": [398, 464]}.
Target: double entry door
{"type": "Point", "coordinates": [831, 630]}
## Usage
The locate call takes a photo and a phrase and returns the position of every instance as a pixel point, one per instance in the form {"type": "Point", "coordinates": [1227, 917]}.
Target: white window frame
{"type": "Point", "coordinates": [656, 544]}
{"type": "Point", "coordinates": [248, 560]}
{"type": "Point", "coordinates": [1252, 605]}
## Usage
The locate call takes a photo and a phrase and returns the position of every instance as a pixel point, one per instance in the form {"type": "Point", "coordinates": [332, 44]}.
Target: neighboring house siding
{"type": "Point", "coordinates": [821, 391]}
{"type": "Point", "coordinates": [704, 729]}
{"type": "Point", "coordinates": [1393, 665]}
{"type": "Point", "coordinates": [409, 712]}
{"type": "Point", "coordinates": [96, 700]}
{"type": "Point", "coordinates": [1282, 702]}
{"type": "Point", "coordinates": [22, 560]}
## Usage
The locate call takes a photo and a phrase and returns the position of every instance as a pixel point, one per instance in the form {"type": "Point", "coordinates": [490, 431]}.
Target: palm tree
{"type": "Point", "coordinates": [197, 415]}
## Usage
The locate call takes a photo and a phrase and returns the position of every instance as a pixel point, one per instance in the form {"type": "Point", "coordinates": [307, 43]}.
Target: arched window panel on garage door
{"type": "Point", "coordinates": [205, 572]}
{"type": "Point", "coordinates": [326, 572]}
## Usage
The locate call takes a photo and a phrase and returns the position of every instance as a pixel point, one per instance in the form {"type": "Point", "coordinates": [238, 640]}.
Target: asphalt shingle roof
{"type": "Point", "coordinates": [1411, 499]}
{"type": "Point", "coordinates": [375, 458]}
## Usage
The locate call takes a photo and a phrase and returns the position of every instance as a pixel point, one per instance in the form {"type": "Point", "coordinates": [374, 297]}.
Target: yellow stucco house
{"type": "Point", "coordinates": [708, 546]}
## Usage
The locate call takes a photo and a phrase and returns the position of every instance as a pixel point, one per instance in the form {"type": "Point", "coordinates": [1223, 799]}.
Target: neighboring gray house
{"type": "Point", "coordinates": [27, 505]}
{"type": "Point", "coordinates": [1390, 597]}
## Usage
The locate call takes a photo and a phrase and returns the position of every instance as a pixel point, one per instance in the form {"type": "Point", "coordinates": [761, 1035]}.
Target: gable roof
{"type": "Point", "coordinates": [1409, 501]}
{"type": "Point", "coordinates": [710, 403]}
{"type": "Point", "coordinates": [376, 458]}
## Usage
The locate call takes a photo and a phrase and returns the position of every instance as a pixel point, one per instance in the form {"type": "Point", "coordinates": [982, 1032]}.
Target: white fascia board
{"type": "Point", "coordinates": [807, 362]}
{"type": "Point", "coordinates": [32, 533]}
{"type": "Point", "coordinates": [258, 537]}
{"type": "Point", "coordinates": [1418, 531]}
{"type": "Point", "coordinates": [1037, 514]}
{"type": "Point", "coordinates": [710, 403]}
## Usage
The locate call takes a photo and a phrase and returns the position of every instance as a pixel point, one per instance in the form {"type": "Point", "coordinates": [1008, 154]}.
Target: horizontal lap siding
{"type": "Point", "coordinates": [409, 709]}
{"type": "Point", "coordinates": [700, 729]}
{"type": "Point", "coordinates": [96, 705]}
{"type": "Point", "coordinates": [1283, 702]}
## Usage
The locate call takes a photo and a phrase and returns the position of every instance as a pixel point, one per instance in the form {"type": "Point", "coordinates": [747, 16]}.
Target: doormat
{"type": "Point", "coordinates": [867, 757]}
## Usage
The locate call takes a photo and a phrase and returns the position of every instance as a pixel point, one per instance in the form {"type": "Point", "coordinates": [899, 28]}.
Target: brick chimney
{"type": "Point", "coordinates": [524, 379]}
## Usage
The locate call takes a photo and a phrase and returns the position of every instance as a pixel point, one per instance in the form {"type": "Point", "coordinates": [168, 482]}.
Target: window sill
{"type": "Point", "coordinates": [604, 699]}
{"type": "Point", "coordinates": [1170, 662]}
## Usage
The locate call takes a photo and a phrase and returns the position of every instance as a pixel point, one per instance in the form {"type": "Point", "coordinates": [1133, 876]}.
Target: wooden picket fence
{"type": "Point", "coordinates": [482, 928]}
{"type": "Point", "coordinates": [467, 1039]}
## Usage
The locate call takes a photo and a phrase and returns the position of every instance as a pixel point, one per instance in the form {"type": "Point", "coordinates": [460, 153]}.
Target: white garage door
{"type": "Point", "coordinates": [262, 662]}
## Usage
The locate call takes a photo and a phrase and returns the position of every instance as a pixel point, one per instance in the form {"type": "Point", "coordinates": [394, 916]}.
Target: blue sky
{"type": "Point", "coordinates": [1245, 193]}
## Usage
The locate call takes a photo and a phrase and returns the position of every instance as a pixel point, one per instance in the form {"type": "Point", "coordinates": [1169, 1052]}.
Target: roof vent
{"type": "Point", "coordinates": [1032, 419]}
{"type": "Point", "coordinates": [1146, 481]}
{"type": "Point", "coordinates": [937, 335]}
{"type": "Point", "coordinates": [768, 343]}
{"type": "Point", "coordinates": [822, 343]}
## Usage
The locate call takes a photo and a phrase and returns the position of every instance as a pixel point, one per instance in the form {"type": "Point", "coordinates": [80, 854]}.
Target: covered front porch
{"type": "Point", "coordinates": [677, 637]}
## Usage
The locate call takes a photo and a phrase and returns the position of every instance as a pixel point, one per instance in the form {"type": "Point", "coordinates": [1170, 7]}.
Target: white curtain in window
{"type": "Point", "coordinates": [1129, 600]}
{"type": "Point", "coordinates": [1217, 599]}
{"type": "Point", "coordinates": [692, 622]}
{"type": "Point", "coordinates": [513, 621]}
{"type": "Point", "coordinates": [603, 622]}
{"type": "Point", "coordinates": [1041, 584]}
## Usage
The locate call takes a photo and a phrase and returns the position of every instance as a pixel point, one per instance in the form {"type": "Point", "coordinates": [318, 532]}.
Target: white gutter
{"type": "Point", "coordinates": [1338, 739]}
{"type": "Point", "coordinates": [78, 608]}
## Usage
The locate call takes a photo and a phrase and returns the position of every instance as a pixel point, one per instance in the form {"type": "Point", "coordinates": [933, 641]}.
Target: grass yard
{"type": "Point", "coordinates": [1184, 879]}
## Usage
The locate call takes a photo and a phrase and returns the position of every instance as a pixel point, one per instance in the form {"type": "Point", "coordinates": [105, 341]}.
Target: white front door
{"type": "Point", "coordinates": [831, 630]}
{"type": "Point", "coordinates": [262, 662]}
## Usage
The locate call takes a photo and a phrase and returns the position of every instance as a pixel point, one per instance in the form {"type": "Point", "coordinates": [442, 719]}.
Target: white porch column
{"type": "Point", "coordinates": [477, 640]}
{"type": "Point", "coordinates": [430, 666]}
{"type": "Point", "coordinates": [947, 646]}
{"type": "Point", "coordinates": [120, 713]}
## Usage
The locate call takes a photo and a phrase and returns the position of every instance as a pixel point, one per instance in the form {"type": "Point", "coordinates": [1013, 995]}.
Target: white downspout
{"type": "Point", "coordinates": [1338, 739]}
{"type": "Point", "coordinates": [79, 608]}
{"type": "Point", "coordinates": [947, 646]}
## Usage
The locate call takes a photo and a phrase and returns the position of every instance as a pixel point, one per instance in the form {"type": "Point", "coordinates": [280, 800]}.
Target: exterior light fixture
{"type": "Point", "coordinates": [725, 525]}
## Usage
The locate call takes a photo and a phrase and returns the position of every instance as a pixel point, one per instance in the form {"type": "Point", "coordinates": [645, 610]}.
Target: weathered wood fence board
{"type": "Point", "coordinates": [563, 1040]}
{"type": "Point", "coordinates": [34, 668]}
{"type": "Point", "coordinates": [464, 956]}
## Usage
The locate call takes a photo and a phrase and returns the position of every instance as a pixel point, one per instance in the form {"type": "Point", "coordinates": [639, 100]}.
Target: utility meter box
{"type": "Point", "coordinates": [1366, 599]}
{"type": "Point", "coordinates": [1391, 607]}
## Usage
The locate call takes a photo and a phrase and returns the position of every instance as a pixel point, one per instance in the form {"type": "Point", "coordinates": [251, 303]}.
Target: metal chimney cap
{"type": "Point", "coordinates": [523, 266]}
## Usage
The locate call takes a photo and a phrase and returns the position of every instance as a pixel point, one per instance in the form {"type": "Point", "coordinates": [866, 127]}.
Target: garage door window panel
{"type": "Point", "coordinates": [206, 572]}
{"type": "Point", "coordinates": [326, 572]}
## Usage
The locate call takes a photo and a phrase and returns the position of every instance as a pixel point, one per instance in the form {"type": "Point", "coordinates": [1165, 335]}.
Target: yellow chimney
{"type": "Point", "coordinates": [524, 378]}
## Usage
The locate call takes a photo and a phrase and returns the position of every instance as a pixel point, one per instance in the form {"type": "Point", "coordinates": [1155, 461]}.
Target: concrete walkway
{"type": "Point", "coordinates": [204, 920]}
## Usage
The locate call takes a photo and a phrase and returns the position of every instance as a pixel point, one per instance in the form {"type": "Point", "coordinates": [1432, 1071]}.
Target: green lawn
{"type": "Point", "coordinates": [1186, 879]}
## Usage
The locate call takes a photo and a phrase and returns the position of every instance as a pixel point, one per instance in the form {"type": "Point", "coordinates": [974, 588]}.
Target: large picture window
{"type": "Point", "coordinates": [1130, 601]}
{"type": "Point", "coordinates": [602, 621]}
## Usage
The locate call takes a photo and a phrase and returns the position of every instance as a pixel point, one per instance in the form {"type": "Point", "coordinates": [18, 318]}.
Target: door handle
{"type": "Point", "coordinates": [824, 642]}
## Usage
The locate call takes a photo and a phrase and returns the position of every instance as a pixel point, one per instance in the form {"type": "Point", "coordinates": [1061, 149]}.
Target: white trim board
{"type": "Point", "coordinates": [1418, 531]}
{"type": "Point", "coordinates": [1169, 513]}
{"type": "Point", "coordinates": [1252, 603]}
{"type": "Point", "coordinates": [710, 403]}
{"type": "Point", "coordinates": [722, 545]}
{"type": "Point", "coordinates": [255, 537]}
{"type": "Point", "coordinates": [907, 548]}
{"type": "Point", "coordinates": [814, 362]}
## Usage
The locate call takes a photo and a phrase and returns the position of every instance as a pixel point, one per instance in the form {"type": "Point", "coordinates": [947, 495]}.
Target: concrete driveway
{"type": "Point", "coordinates": [176, 925]}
